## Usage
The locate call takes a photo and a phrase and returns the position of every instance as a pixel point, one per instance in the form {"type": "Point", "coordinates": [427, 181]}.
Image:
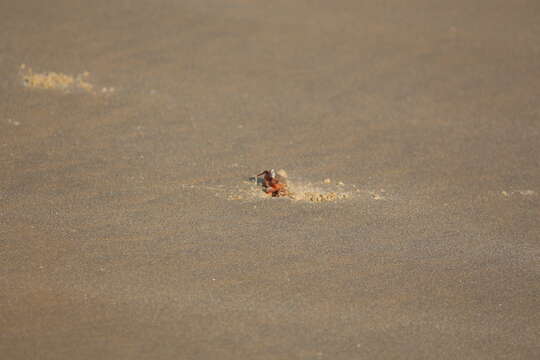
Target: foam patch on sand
{"type": "Point", "coordinates": [54, 80]}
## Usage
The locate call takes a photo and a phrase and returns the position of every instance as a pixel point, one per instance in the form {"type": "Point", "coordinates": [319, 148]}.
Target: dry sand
{"type": "Point", "coordinates": [118, 238]}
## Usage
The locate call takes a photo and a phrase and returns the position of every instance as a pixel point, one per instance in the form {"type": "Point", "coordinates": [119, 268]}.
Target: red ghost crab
{"type": "Point", "coordinates": [274, 184]}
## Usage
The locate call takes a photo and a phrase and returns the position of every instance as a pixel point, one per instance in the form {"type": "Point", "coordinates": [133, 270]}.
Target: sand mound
{"type": "Point", "coordinates": [308, 192]}
{"type": "Point", "coordinates": [294, 194]}
{"type": "Point", "coordinates": [318, 196]}
{"type": "Point", "coordinates": [54, 81]}
{"type": "Point", "coordinates": [298, 190]}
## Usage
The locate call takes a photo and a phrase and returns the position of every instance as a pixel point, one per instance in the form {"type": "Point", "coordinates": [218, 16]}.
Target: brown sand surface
{"type": "Point", "coordinates": [118, 236]}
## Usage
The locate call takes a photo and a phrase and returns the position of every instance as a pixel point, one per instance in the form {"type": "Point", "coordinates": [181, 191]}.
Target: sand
{"type": "Point", "coordinates": [119, 238]}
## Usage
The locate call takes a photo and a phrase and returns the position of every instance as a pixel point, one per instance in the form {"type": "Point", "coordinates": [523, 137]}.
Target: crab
{"type": "Point", "coordinates": [273, 184]}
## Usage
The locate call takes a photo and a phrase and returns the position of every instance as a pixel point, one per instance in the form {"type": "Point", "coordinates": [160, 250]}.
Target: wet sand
{"type": "Point", "coordinates": [118, 235]}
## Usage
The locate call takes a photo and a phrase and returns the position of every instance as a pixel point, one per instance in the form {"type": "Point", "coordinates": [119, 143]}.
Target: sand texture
{"type": "Point", "coordinates": [130, 228]}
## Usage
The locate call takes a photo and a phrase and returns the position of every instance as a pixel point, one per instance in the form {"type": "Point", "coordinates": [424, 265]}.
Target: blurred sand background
{"type": "Point", "coordinates": [119, 238]}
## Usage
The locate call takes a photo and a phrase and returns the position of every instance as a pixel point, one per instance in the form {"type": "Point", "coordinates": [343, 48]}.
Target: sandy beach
{"type": "Point", "coordinates": [129, 228]}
